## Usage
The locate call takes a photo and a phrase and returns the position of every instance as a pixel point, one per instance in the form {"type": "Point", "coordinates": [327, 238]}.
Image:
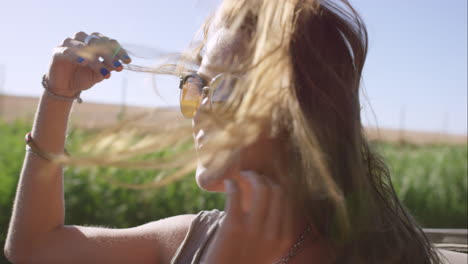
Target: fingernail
{"type": "Point", "coordinates": [117, 64]}
{"type": "Point", "coordinates": [228, 184]}
{"type": "Point", "coordinates": [126, 57]}
{"type": "Point", "coordinates": [80, 59]}
{"type": "Point", "coordinates": [104, 72]}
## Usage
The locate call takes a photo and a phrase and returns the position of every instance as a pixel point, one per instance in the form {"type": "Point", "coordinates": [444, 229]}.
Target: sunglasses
{"type": "Point", "coordinates": [194, 88]}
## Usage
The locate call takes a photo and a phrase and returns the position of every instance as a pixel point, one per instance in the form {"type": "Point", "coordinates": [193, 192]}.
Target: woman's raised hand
{"type": "Point", "coordinates": [77, 66]}
{"type": "Point", "coordinates": [260, 233]}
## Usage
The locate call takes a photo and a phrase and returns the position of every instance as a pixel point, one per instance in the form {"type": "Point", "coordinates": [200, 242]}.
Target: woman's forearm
{"type": "Point", "coordinates": [39, 204]}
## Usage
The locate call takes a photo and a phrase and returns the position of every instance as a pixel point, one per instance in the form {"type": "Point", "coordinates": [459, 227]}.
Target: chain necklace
{"type": "Point", "coordinates": [295, 248]}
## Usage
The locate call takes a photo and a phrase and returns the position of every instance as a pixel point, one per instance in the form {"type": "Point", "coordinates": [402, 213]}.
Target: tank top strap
{"type": "Point", "coordinates": [202, 228]}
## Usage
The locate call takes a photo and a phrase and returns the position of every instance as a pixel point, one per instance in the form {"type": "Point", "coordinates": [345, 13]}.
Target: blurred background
{"type": "Point", "coordinates": [414, 101]}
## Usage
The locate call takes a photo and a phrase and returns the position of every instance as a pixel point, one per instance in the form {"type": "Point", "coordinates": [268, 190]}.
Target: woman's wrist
{"type": "Point", "coordinates": [50, 123]}
{"type": "Point", "coordinates": [68, 100]}
{"type": "Point", "coordinates": [58, 96]}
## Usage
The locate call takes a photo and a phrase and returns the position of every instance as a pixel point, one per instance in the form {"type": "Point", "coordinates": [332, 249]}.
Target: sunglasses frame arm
{"type": "Point", "coordinates": [183, 78]}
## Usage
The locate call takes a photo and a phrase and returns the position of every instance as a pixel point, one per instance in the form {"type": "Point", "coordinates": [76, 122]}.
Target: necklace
{"type": "Point", "coordinates": [295, 248]}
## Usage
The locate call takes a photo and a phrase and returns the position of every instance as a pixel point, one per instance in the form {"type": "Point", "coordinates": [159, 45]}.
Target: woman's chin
{"type": "Point", "coordinates": [212, 179]}
{"type": "Point", "coordinates": [204, 180]}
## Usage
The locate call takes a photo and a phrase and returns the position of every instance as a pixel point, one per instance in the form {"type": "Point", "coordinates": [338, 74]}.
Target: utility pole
{"type": "Point", "coordinates": [123, 102]}
{"type": "Point", "coordinates": [445, 123]}
{"type": "Point", "coordinates": [402, 139]}
{"type": "Point", "coordinates": [2, 90]}
{"type": "Point", "coordinates": [443, 132]}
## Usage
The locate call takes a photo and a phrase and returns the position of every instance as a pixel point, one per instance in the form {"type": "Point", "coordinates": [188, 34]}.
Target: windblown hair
{"type": "Point", "coordinates": [300, 83]}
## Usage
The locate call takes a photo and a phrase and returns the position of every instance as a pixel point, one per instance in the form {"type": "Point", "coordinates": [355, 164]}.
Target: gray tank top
{"type": "Point", "coordinates": [201, 230]}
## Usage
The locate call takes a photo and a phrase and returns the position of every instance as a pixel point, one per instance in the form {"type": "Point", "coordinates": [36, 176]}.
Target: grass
{"type": "Point", "coordinates": [431, 180]}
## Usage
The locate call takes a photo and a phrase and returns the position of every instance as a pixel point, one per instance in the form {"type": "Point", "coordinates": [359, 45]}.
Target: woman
{"type": "Point", "coordinates": [276, 123]}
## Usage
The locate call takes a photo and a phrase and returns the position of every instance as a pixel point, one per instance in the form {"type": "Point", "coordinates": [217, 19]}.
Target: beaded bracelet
{"type": "Point", "coordinates": [33, 148]}
{"type": "Point", "coordinates": [63, 98]}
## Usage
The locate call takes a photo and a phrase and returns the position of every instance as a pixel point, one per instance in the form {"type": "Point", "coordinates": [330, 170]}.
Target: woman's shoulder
{"type": "Point", "coordinates": [204, 221]}
{"type": "Point", "coordinates": [202, 227]}
{"type": "Point", "coordinates": [208, 216]}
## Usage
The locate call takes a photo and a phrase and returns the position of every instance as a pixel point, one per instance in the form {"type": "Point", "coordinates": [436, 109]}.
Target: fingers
{"type": "Point", "coordinates": [123, 55]}
{"type": "Point", "coordinates": [271, 211]}
{"type": "Point", "coordinates": [276, 212]}
{"type": "Point", "coordinates": [108, 49]}
{"type": "Point", "coordinates": [118, 51]}
{"type": "Point", "coordinates": [69, 50]}
{"type": "Point", "coordinates": [233, 206]}
{"type": "Point", "coordinates": [261, 192]}
{"type": "Point", "coordinates": [76, 52]}
{"type": "Point", "coordinates": [111, 62]}
{"type": "Point", "coordinates": [287, 225]}
{"type": "Point", "coordinates": [100, 68]}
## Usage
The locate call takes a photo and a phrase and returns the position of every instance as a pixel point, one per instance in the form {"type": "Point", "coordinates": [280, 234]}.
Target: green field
{"type": "Point", "coordinates": [431, 180]}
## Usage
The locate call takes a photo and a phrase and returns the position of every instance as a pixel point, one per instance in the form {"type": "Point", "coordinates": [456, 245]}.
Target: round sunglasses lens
{"type": "Point", "coordinates": [190, 95]}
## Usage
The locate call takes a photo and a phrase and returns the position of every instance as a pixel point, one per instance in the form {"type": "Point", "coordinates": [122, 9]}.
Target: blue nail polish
{"type": "Point", "coordinates": [125, 57]}
{"type": "Point", "coordinates": [80, 59]}
{"type": "Point", "coordinates": [117, 64]}
{"type": "Point", "coordinates": [104, 72]}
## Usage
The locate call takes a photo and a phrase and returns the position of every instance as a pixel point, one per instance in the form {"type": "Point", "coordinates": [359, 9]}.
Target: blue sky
{"type": "Point", "coordinates": [417, 60]}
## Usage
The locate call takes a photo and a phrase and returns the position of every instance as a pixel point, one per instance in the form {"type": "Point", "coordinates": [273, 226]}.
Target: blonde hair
{"type": "Point", "coordinates": [301, 84]}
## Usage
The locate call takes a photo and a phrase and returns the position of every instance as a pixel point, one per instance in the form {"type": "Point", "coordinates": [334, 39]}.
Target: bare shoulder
{"type": "Point", "coordinates": [170, 233]}
{"type": "Point", "coordinates": [154, 242]}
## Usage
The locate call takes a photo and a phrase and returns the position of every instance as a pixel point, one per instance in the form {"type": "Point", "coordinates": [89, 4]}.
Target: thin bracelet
{"type": "Point", "coordinates": [30, 150]}
{"type": "Point", "coordinates": [33, 148]}
{"type": "Point", "coordinates": [63, 98]}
